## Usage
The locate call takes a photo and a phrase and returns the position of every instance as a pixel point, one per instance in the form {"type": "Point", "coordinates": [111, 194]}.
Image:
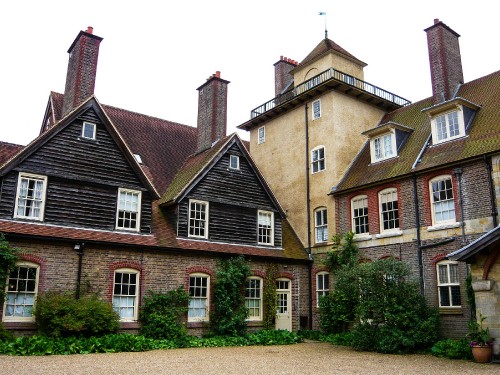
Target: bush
{"type": "Point", "coordinates": [452, 349]}
{"type": "Point", "coordinates": [8, 258]}
{"type": "Point", "coordinates": [62, 315]}
{"type": "Point", "coordinates": [229, 315]}
{"type": "Point", "coordinates": [5, 335]}
{"type": "Point", "coordinates": [162, 315]}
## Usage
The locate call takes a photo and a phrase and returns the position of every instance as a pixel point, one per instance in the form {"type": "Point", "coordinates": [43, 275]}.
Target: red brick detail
{"type": "Point", "coordinates": [124, 264]}
{"type": "Point", "coordinates": [285, 274]}
{"type": "Point", "coordinates": [388, 256]}
{"type": "Point", "coordinates": [258, 273]}
{"type": "Point", "coordinates": [438, 258]}
{"type": "Point", "coordinates": [42, 276]}
{"type": "Point", "coordinates": [199, 269]}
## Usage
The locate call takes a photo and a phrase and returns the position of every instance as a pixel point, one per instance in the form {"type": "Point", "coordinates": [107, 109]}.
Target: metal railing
{"type": "Point", "coordinates": [328, 75]}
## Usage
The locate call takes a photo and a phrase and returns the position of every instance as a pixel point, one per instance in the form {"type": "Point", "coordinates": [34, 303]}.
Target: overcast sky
{"type": "Point", "coordinates": [155, 54]}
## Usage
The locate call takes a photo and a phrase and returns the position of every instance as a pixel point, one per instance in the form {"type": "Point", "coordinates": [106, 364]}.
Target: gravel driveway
{"type": "Point", "coordinates": [305, 358]}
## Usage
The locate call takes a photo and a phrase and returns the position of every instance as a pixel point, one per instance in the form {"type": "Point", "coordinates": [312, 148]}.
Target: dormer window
{"type": "Point", "coordinates": [386, 139]}
{"type": "Point", "coordinates": [383, 147]}
{"type": "Point", "coordinates": [88, 130]}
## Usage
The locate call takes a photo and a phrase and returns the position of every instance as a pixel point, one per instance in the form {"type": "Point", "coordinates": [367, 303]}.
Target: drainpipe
{"type": "Point", "coordinates": [458, 173]}
{"type": "Point", "coordinates": [308, 208]}
{"type": "Point", "coordinates": [419, 243]}
{"type": "Point", "coordinates": [491, 186]}
{"type": "Point", "coordinates": [79, 250]}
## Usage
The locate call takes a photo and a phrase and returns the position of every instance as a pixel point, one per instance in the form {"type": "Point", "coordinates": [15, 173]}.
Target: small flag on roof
{"type": "Point", "coordinates": [322, 13]}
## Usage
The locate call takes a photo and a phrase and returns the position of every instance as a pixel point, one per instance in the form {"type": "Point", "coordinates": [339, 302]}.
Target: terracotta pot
{"type": "Point", "coordinates": [482, 354]}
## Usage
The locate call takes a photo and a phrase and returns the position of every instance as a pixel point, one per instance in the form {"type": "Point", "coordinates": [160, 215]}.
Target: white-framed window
{"type": "Point", "coordinates": [448, 284]}
{"type": "Point", "coordinates": [359, 211]}
{"type": "Point", "coordinates": [318, 159]}
{"type": "Point", "coordinates": [265, 230]}
{"type": "Point", "coordinates": [253, 297]}
{"type": "Point", "coordinates": [442, 201]}
{"type": "Point", "coordinates": [261, 135]}
{"type": "Point", "coordinates": [321, 225]}
{"type": "Point", "coordinates": [234, 162]}
{"type": "Point", "coordinates": [322, 285]}
{"type": "Point", "coordinates": [198, 219]}
{"type": "Point", "coordinates": [88, 130]}
{"type": "Point", "coordinates": [389, 212]}
{"type": "Point", "coordinates": [21, 292]}
{"type": "Point", "coordinates": [30, 199]}
{"type": "Point", "coordinates": [383, 147]}
{"type": "Point", "coordinates": [128, 213]}
{"type": "Point", "coordinates": [447, 126]}
{"type": "Point", "coordinates": [316, 109]}
{"type": "Point", "coordinates": [126, 293]}
{"type": "Point", "coordinates": [199, 297]}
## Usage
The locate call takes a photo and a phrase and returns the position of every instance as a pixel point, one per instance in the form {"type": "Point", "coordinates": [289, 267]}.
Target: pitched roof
{"type": "Point", "coordinates": [489, 240]}
{"type": "Point", "coordinates": [162, 145]}
{"type": "Point", "coordinates": [483, 137]}
{"type": "Point", "coordinates": [324, 47]}
{"type": "Point", "coordinates": [8, 150]}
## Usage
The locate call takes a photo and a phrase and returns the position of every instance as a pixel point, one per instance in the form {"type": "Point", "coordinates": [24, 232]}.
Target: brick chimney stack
{"type": "Point", "coordinates": [212, 111]}
{"type": "Point", "coordinates": [445, 61]}
{"type": "Point", "coordinates": [282, 75]}
{"type": "Point", "coordinates": [82, 67]}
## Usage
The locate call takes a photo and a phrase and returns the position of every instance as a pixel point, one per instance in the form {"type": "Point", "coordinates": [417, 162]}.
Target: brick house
{"type": "Point", "coordinates": [111, 201]}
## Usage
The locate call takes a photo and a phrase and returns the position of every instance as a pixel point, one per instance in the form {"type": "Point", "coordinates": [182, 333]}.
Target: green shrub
{"type": "Point", "coordinates": [8, 258]}
{"type": "Point", "coordinates": [5, 335]}
{"type": "Point", "coordinates": [62, 315]}
{"type": "Point", "coordinates": [310, 334]}
{"type": "Point", "coordinates": [229, 315]}
{"type": "Point", "coordinates": [393, 316]}
{"type": "Point", "coordinates": [162, 315]}
{"type": "Point", "coordinates": [452, 349]}
{"type": "Point", "coordinates": [343, 338]}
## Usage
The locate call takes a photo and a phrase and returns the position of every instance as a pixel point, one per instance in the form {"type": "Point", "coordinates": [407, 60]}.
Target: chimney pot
{"type": "Point", "coordinates": [90, 29]}
{"type": "Point", "coordinates": [436, 20]}
{"type": "Point", "coordinates": [217, 74]}
{"type": "Point", "coordinates": [281, 57]}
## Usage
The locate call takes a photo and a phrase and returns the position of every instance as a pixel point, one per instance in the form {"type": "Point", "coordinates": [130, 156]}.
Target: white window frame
{"type": "Point", "coordinates": [131, 300]}
{"type": "Point", "coordinates": [234, 162]}
{"type": "Point", "coordinates": [261, 135]}
{"type": "Point", "coordinates": [17, 297]}
{"type": "Point", "coordinates": [432, 197]}
{"type": "Point", "coordinates": [253, 297]}
{"type": "Point", "coordinates": [382, 199]}
{"type": "Point", "coordinates": [128, 210]}
{"type": "Point", "coordinates": [94, 127]}
{"type": "Point", "coordinates": [199, 302]}
{"type": "Point", "coordinates": [316, 109]}
{"type": "Point", "coordinates": [260, 227]}
{"type": "Point", "coordinates": [322, 289]}
{"type": "Point", "coordinates": [355, 206]}
{"type": "Point", "coordinates": [383, 147]}
{"type": "Point", "coordinates": [32, 199]}
{"type": "Point", "coordinates": [448, 286]}
{"type": "Point", "coordinates": [198, 223]}
{"type": "Point", "coordinates": [437, 120]}
{"type": "Point", "coordinates": [321, 225]}
{"type": "Point", "coordinates": [318, 163]}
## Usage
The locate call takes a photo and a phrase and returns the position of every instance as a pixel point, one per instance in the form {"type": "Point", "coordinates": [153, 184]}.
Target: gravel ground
{"type": "Point", "coordinates": [305, 358]}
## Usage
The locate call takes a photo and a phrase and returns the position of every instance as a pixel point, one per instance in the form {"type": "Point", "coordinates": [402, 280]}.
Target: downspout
{"type": "Point", "coordinates": [491, 186]}
{"type": "Point", "coordinates": [458, 173]}
{"type": "Point", "coordinates": [79, 250]}
{"type": "Point", "coordinates": [419, 242]}
{"type": "Point", "coordinates": [308, 208]}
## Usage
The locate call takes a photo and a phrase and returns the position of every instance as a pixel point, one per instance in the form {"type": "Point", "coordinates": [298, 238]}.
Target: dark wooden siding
{"type": "Point", "coordinates": [83, 178]}
{"type": "Point", "coordinates": [234, 197]}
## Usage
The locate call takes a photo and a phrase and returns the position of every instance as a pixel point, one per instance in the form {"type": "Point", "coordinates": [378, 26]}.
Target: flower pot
{"type": "Point", "coordinates": [482, 354]}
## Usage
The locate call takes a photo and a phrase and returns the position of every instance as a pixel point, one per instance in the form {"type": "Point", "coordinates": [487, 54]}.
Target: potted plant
{"type": "Point", "coordinates": [480, 340]}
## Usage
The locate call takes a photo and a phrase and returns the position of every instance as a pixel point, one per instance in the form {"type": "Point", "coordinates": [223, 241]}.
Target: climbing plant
{"type": "Point", "coordinates": [8, 258]}
{"type": "Point", "coordinates": [269, 297]}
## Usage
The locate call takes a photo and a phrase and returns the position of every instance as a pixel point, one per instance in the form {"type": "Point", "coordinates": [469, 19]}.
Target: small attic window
{"type": "Point", "coordinates": [88, 130]}
{"type": "Point", "coordinates": [386, 140]}
{"type": "Point", "coordinates": [234, 162]}
{"type": "Point", "coordinates": [138, 158]}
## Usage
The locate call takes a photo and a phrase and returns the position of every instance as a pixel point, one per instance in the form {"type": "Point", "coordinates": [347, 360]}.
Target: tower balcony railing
{"type": "Point", "coordinates": [330, 75]}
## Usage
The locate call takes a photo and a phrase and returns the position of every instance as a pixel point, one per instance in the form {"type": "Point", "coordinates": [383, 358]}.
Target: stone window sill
{"type": "Point", "coordinates": [442, 227]}
{"type": "Point", "coordinates": [394, 233]}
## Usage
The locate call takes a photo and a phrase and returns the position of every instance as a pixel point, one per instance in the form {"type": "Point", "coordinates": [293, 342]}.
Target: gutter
{"type": "Point", "coordinates": [308, 208]}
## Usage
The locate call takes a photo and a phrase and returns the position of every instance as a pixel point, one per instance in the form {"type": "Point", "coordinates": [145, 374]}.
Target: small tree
{"type": "Point", "coordinates": [229, 315]}
{"type": "Point", "coordinates": [8, 258]}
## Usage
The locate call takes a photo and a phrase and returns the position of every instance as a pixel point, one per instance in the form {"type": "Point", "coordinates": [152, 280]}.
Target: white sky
{"type": "Point", "coordinates": [156, 53]}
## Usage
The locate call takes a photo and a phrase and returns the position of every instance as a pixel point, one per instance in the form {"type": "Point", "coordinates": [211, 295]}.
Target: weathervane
{"type": "Point", "coordinates": [326, 31]}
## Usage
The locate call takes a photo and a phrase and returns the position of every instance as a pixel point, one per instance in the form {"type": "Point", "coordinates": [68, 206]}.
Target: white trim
{"type": "Point", "coordinates": [353, 223]}
{"type": "Point", "coordinates": [205, 318]}
{"type": "Point", "coordinates": [386, 192]}
{"type": "Point", "coordinates": [318, 159]}
{"type": "Point", "coordinates": [382, 139]}
{"type": "Point", "coordinates": [323, 291]}
{"type": "Point", "coordinates": [94, 130]}
{"type": "Point", "coordinates": [138, 212]}
{"type": "Point", "coordinates": [441, 223]}
{"type": "Point", "coordinates": [260, 299]}
{"type": "Point", "coordinates": [461, 126]}
{"type": "Point", "coordinates": [448, 284]}
{"type": "Point", "coordinates": [322, 225]}
{"type": "Point", "coordinates": [271, 215]}
{"type": "Point", "coordinates": [262, 139]}
{"type": "Point", "coordinates": [130, 271]}
{"type": "Point", "coordinates": [234, 157]}
{"type": "Point", "coordinates": [313, 112]}
{"type": "Point", "coordinates": [42, 199]}
{"type": "Point", "coordinates": [205, 220]}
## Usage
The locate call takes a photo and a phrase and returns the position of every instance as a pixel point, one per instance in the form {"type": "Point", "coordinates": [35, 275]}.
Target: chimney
{"type": "Point", "coordinates": [445, 61]}
{"type": "Point", "coordinates": [212, 111]}
{"type": "Point", "coordinates": [82, 67]}
{"type": "Point", "coordinates": [282, 75]}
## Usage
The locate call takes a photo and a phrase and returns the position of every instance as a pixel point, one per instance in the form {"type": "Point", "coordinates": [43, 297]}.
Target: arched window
{"type": "Point", "coordinates": [448, 284]}
{"type": "Point", "coordinates": [199, 297]}
{"type": "Point", "coordinates": [21, 292]}
{"type": "Point", "coordinates": [126, 293]}
{"type": "Point", "coordinates": [359, 214]}
{"type": "Point", "coordinates": [253, 297]}
{"type": "Point", "coordinates": [388, 208]}
{"type": "Point", "coordinates": [321, 225]}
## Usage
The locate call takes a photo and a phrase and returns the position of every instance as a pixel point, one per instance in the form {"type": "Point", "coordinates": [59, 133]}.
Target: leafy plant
{"type": "Point", "coordinates": [8, 258]}
{"type": "Point", "coordinates": [229, 315]}
{"type": "Point", "coordinates": [5, 335]}
{"type": "Point", "coordinates": [477, 335]}
{"type": "Point", "coordinates": [62, 315]}
{"type": "Point", "coordinates": [452, 349]}
{"type": "Point", "coordinates": [345, 253]}
{"type": "Point", "coordinates": [162, 315]}
{"type": "Point", "coordinates": [269, 297]}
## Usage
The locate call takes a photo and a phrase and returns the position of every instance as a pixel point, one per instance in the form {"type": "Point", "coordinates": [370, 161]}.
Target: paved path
{"type": "Point", "coordinates": [305, 358]}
